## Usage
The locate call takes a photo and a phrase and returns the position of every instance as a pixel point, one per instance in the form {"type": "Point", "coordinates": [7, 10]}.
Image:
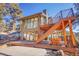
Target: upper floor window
{"type": "Point", "coordinates": [44, 20]}
{"type": "Point", "coordinates": [36, 22]}
{"type": "Point", "coordinates": [28, 23]}
{"type": "Point", "coordinates": [32, 23]}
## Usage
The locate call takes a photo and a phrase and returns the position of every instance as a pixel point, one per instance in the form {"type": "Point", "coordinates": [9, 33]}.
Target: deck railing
{"type": "Point", "coordinates": [63, 14]}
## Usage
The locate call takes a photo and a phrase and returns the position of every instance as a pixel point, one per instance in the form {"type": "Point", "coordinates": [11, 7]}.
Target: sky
{"type": "Point", "coordinates": [52, 8]}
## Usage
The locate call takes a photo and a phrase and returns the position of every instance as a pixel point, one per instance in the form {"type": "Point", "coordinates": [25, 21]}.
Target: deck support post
{"type": "Point", "coordinates": [72, 34]}
{"type": "Point", "coordinates": [64, 33]}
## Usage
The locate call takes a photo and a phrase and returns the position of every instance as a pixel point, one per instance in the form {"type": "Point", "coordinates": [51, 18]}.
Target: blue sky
{"type": "Point", "coordinates": [52, 8]}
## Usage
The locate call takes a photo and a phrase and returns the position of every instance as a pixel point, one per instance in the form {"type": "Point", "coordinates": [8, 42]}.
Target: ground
{"type": "Point", "coordinates": [22, 51]}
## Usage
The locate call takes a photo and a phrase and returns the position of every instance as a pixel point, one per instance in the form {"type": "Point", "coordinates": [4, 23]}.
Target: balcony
{"type": "Point", "coordinates": [45, 27]}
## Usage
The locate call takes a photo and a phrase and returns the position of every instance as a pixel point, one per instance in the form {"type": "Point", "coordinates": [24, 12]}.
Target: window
{"type": "Point", "coordinates": [52, 35]}
{"type": "Point", "coordinates": [32, 23]}
{"type": "Point", "coordinates": [31, 36]}
{"type": "Point", "coordinates": [49, 37]}
{"type": "Point", "coordinates": [27, 36]}
{"type": "Point", "coordinates": [36, 22]}
{"type": "Point", "coordinates": [36, 36]}
{"type": "Point", "coordinates": [44, 20]}
{"type": "Point", "coordinates": [28, 23]}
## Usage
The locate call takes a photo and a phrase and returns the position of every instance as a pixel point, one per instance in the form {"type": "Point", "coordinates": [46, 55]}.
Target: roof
{"type": "Point", "coordinates": [31, 16]}
{"type": "Point", "coordinates": [35, 15]}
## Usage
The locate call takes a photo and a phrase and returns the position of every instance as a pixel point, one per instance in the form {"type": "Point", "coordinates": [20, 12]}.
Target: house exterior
{"type": "Point", "coordinates": [30, 25]}
{"type": "Point", "coordinates": [37, 24]}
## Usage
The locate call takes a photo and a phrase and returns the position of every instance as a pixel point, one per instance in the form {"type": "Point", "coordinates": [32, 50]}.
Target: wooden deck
{"type": "Point", "coordinates": [43, 46]}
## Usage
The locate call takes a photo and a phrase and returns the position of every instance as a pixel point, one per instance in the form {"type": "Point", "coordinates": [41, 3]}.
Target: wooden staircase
{"type": "Point", "coordinates": [59, 26]}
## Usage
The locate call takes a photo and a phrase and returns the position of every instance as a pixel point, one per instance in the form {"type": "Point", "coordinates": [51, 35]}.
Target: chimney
{"type": "Point", "coordinates": [45, 11]}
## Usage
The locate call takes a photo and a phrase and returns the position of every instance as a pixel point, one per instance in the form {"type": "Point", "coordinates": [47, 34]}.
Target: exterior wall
{"type": "Point", "coordinates": [30, 26]}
